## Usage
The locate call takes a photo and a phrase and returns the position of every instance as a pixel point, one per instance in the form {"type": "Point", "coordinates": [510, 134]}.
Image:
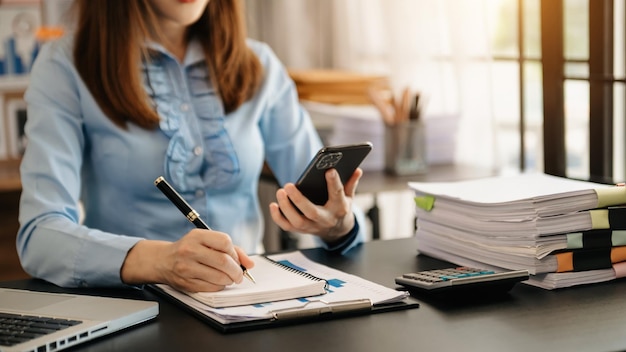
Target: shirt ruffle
{"type": "Point", "coordinates": [200, 153]}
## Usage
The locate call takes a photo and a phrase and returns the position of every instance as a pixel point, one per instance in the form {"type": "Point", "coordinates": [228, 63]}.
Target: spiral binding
{"type": "Point", "coordinates": [296, 271]}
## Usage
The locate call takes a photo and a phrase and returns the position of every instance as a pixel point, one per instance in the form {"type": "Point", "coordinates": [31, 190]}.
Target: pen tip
{"type": "Point", "coordinates": [247, 274]}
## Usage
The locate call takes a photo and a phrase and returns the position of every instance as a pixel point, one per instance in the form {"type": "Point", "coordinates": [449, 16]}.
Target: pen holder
{"type": "Point", "coordinates": [405, 148]}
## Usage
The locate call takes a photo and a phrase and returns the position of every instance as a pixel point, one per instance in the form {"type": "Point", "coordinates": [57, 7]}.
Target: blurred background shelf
{"type": "Point", "coordinates": [10, 190]}
{"type": "Point", "coordinates": [14, 83]}
{"type": "Point", "coordinates": [10, 175]}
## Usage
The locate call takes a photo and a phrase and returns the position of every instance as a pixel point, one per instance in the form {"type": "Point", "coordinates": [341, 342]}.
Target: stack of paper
{"type": "Point", "coordinates": [564, 232]}
{"type": "Point", "coordinates": [347, 123]}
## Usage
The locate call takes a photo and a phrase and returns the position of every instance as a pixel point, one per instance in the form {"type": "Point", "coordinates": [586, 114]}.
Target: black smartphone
{"type": "Point", "coordinates": [344, 158]}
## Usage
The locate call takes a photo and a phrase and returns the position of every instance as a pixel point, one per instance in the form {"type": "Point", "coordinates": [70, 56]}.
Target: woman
{"type": "Point", "coordinates": [163, 87]}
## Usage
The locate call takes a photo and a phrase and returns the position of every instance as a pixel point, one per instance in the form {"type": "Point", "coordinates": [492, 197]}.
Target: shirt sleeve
{"type": "Point", "coordinates": [291, 140]}
{"type": "Point", "coordinates": [51, 242]}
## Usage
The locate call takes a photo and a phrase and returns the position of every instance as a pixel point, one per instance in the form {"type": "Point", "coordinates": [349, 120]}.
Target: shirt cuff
{"type": "Point", "coordinates": [346, 240]}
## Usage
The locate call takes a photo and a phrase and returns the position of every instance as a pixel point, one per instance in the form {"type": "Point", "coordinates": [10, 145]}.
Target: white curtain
{"type": "Point", "coordinates": [431, 46]}
{"type": "Point", "coordinates": [299, 31]}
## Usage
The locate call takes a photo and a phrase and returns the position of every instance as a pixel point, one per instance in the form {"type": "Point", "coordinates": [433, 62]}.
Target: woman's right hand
{"type": "Point", "coordinates": [202, 260]}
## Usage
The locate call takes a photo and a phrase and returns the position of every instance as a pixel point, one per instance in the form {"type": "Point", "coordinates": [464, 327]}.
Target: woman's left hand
{"type": "Point", "coordinates": [331, 221]}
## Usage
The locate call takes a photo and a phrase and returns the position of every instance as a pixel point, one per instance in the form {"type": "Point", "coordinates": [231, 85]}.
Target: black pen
{"type": "Point", "coordinates": [188, 211]}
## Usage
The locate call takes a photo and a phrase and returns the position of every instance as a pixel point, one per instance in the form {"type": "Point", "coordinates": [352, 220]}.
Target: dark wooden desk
{"type": "Point", "coordinates": [589, 318]}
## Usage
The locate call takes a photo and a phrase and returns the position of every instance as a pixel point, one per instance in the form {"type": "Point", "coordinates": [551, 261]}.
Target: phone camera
{"type": "Point", "coordinates": [329, 161]}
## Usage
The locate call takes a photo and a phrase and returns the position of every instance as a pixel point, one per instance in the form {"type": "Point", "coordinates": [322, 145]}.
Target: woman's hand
{"type": "Point", "coordinates": [202, 260]}
{"type": "Point", "coordinates": [331, 221]}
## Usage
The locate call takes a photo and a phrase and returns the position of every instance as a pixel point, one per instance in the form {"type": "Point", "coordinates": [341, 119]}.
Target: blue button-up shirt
{"type": "Point", "coordinates": [76, 154]}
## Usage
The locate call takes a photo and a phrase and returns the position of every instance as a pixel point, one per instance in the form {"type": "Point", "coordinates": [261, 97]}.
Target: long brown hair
{"type": "Point", "coordinates": [110, 44]}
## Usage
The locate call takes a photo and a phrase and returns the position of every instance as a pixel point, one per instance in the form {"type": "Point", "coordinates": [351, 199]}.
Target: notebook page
{"type": "Point", "coordinates": [273, 282]}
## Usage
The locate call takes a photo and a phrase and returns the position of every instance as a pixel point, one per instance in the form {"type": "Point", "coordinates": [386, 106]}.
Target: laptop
{"type": "Point", "coordinates": [55, 321]}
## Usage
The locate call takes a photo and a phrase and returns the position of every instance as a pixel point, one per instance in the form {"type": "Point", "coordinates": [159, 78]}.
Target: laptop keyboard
{"type": "Point", "coordinates": [17, 328]}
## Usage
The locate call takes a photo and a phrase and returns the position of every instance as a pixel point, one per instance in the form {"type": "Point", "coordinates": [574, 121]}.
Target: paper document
{"type": "Point", "coordinates": [343, 289]}
{"type": "Point", "coordinates": [520, 196]}
{"type": "Point", "coordinates": [564, 232]}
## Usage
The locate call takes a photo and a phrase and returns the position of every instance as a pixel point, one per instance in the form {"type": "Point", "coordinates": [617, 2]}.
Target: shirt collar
{"type": "Point", "coordinates": [194, 52]}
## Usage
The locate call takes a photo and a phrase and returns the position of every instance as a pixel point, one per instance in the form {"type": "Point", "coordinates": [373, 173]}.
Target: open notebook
{"type": "Point", "coordinates": [345, 295]}
{"type": "Point", "coordinates": [45, 321]}
{"type": "Point", "coordinates": [274, 282]}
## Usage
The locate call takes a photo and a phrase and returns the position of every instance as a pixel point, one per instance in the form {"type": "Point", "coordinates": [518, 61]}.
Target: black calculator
{"type": "Point", "coordinates": [462, 279]}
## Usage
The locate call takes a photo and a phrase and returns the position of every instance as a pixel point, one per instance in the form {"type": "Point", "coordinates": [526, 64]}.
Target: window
{"type": "Point", "coordinates": [583, 42]}
{"type": "Point", "coordinates": [535, 84]}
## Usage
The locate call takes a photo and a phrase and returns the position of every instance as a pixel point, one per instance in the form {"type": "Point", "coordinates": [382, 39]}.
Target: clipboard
{"type": "Point", "coordinates": [345, 295]}
{"type": "Point", "coordinates": [335, 310]}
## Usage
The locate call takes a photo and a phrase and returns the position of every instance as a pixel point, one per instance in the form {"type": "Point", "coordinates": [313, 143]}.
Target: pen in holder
{"type": "Point", "coordinates": [405, 135]}
{"type": "Point", "coordinates": [405, 147]}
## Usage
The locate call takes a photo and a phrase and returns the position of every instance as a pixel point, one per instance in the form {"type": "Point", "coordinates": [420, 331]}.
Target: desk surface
{"type": "Point", "coordinates": [589, 318]}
